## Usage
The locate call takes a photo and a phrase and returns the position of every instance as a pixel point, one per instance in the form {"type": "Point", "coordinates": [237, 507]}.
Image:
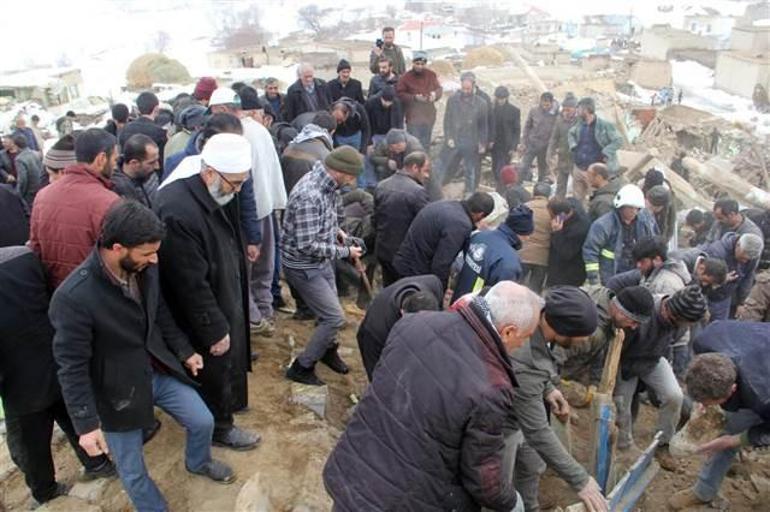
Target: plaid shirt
{"type": "Point", "coordinates": [311, 221]}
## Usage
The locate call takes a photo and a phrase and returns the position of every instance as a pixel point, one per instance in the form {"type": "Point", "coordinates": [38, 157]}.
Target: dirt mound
{"type": "Point", "coordinates": [484, 56]}
{"type": "Point", "coordinates": [443, 68]}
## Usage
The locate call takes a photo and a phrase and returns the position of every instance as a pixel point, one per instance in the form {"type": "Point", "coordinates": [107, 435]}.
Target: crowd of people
{"type": "Point", "coordinates": [138, 259]}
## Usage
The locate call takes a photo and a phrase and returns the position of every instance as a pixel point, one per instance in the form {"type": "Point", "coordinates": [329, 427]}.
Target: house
{"type": "Point", "coordinates": [752, 39]}
{"type": "Point", "coordinates": [658, 41]}
{"type": "Point", "coordinates": [49, 86]}
{"type": "Point", "coordinates": [243, 57]}
{"type": "Point", "coordinates": [738, 72]}
{"type": "Point", "coordinates": [651, 74]}
{"type": "Point", "coordinates": [606, 25]}
{"type": "Point", "coordinates": [707, 21]}
{"type": "Point", "coordinates": [429, 34]}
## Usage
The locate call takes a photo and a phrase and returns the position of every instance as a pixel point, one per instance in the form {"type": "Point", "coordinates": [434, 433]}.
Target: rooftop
{"type": "Point", "coordinates": [40, 77]}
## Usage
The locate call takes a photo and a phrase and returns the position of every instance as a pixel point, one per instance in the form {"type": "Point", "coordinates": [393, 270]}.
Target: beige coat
{"type": "Point", "coordinates": [534, 250]}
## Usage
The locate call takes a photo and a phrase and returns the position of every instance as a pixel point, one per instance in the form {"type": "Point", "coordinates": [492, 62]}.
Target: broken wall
{"type": "Point", "coordinates": [652, 74]}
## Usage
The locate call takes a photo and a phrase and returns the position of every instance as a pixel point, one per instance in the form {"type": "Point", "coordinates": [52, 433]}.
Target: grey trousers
{"type": "Point", "coordinates": [317, 288]}
{"type": "Point", "coordinates": [261, 274]}
{"type": "Point", "coordinates": [665, 386]}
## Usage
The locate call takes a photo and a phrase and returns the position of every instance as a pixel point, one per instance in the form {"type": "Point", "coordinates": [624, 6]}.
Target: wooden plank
{"type": "Point", "coordinates": [611, 363]}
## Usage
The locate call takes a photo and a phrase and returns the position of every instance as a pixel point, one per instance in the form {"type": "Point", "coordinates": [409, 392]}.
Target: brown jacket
{"type": "Point", "coordinates": [756, 307]}
{"type": "Point", "coordinates": [534, 251]}
{"type": "Point", "coordinates": [411, 84]}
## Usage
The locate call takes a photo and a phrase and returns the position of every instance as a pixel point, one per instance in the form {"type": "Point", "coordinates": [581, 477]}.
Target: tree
{"type": "Point", "coordinates": [310, 17]}
{"type": "Point", "coordinates": [152, 68]}
{"type": "Point", "coordinates": [240, 28]}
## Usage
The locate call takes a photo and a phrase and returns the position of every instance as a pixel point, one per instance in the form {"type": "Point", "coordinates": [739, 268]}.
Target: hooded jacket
{"type": "Point", "coordinates": [565, 259]}
{"type": "Point", "coordinates": [385, 310]}
{"type": "Point", "coordinates": [534, 250]}
{"type": "Point", "coordinates": [604, 244]}
{"type": "Point", "coordinates": [312, 144]}
{"type": "Point", "coordinates": [428, 434]}
{"type": "Point", "coordinates": [491, 257]}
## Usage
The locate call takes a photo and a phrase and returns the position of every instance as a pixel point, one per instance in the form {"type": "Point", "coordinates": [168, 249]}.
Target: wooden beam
{"type": "Point", "coordinates": [720, 173]}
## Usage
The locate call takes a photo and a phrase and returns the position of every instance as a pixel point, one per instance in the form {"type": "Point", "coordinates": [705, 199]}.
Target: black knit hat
{"type": "Point", "coordinates": [343, 65]}
{"type": "Point", "coordinates": [570, 311]}
{"type": "Point", "coordinates": [688, 304]}
{"type": "Point", "coordinates": [520, 220]}
{"type": "Point", "coordinates": [502, 92]}
{"type": "Point", "coordinates": [388, 93]}
{"type": "Point", "coordinates": [249, 99]}
{"type": "Point", "coordinates": [635, 302]}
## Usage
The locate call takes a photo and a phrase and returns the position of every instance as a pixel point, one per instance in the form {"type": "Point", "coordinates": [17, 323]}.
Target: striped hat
{"type": "Point", "coordinates": [59, 158]}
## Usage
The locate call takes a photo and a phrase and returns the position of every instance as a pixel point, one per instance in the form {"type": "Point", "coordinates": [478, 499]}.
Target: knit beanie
{"type": "Point", "coordinates": [345, 159]}
{"type": "Point", "coordinates": [395, 136]}
{"type": "Point", "coordinates": [343, 65]}
{"type": "Point", "coordinates": [520, 220]}
{"type": "Point", "coordinates": [570, 311]}
{"type": "Point", "coordinates": [468, 75]}
{"type": "Point", "coordinates": [509, 175]}
{"type": "Point", "coordinates": [635, 302]}
{"type": "Point", "coordinates": [659, 195]}
{"type": "Point", "coordinates": [61, 154]}
{"type": "Point", "coordinates": [688, 304]}
{"type": "Point", "coordinates": [502, 92]}
{"type": "Point", "coordinates": [569, 100]}
{"type": "Point", "coordinates": [388, 93]}
{"type": "Point", "coordinates": [204, 88]}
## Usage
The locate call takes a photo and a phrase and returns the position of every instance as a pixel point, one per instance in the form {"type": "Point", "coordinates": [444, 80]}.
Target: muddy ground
{"type": "Point", "coordinates": [285, 471]}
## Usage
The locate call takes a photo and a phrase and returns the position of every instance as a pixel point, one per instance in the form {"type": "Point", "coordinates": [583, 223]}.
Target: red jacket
{"type": "Point", "coordinates": [410, 83]}
{"type": "Point", "coordinates": [67, 218]}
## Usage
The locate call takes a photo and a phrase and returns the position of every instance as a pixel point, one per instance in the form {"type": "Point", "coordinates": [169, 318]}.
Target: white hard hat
{"type": "Point", "coordinates": [629, 195]}
{"type": "Point", "coordinates": [224, 96]}
{"type": "Point", "coordinates": [228, 153]}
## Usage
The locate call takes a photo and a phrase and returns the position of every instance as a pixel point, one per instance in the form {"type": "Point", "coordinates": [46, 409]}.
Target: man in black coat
{"type": "Point", "coordinates": [438, 233]}
{"type": "Point", "coordinates": [569, 228]}
{"type": "Point", "coordinates": [429, 433]}
{"type": "Point", "coordinates": [397, 201]}
{"type": "Point", "coordinates": [119, 353]}
{"type": "Point", "coordinates": [307, 94]}
{"type": "Point", "coordinates": [384, 112]}
{"type": "Point", "coordinates": [28, 386]}
{"type": "Point", "coordinates": [507, 130]}
{"type": "Point", "coordinates": [204, 278]}
{"type": "Point", "coordinates": [407, 295]}
{"type": "Point", "coordinates": [14, 217]}
{"type": "Point", "coordinates": [148, 105]}
{"type": "Point", "coordinates": [344, 86]}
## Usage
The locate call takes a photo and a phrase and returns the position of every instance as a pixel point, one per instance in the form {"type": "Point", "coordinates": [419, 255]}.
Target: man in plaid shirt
{"type": "Point", "coordinates": [311, 239]}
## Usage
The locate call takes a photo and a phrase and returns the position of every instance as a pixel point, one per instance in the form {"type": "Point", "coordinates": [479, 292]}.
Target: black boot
{"type": "Point", "coordinates": [299, 373]}
{"type": "Point", "coordinates": [333, 360]}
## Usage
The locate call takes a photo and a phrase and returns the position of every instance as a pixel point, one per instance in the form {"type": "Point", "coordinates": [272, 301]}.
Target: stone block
{"type": "Point", "coordinates": [91, 491]}
{"type": "Point", "coordinates": [314, 398]}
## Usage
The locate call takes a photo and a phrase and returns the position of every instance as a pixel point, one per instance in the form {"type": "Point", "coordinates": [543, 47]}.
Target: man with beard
{"type": "Point", "coordinates": [591, 140]}
{"type": "Point", "coordinates": [558, 147]}
{"type": "Point", "coordinates": [419, 90]}
{"type": "Point", "coordinates": [136, 178]}
{"type": "Point", "coordinates": [384, 77]}
{"type": "Point", "coordinates": [387, 49]}
{"type": "Point", "coordinates": [119, 353]}
{"type": "Point", "coordinates": [203, 267]}
{"type": "Point", "coordinates": [68, 213]}
{"type": "Point", "coordinates": [312, 238]}
{"type": "Point", "coordinates": [537, 135]}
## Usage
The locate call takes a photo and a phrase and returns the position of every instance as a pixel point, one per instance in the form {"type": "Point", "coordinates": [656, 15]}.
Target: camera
{"type": "Point", "coordinates": [379, 43]}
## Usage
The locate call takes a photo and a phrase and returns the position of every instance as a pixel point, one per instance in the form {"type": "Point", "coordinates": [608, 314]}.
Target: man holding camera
{"type": "Point", "coordinates": [385, 47]}
{"type": "Point", "coordinates": [311, 239]}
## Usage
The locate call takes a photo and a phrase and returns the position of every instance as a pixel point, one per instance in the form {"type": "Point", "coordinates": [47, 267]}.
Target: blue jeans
{"type": "Point", "coordinates": [714, 470]}
{"type": "Point", "coordinates": [185, 405]}
{"type": "Point", "coordinates": [466, 154]}
{"type": "Point", "coordinates": [318, 290]}
{"type": "Point", "coordinates": [423, 132]}
{"type": "Point", "coordinates": [369, 178]}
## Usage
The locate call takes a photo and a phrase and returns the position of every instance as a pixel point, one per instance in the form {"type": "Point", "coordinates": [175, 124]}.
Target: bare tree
{"type": "Point", "coordinates": [161, 41]}
{"type": "Point", "coordinates": [240, 28]}
{"type": "Point", "coordinates": [310, 17]}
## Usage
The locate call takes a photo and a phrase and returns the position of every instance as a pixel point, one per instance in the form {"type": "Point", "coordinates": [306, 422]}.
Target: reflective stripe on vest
{"type": "Point", "coordinates": [592, 267]}
{"type": "Point", "coordinates": [606, 253]}
{"type": "Point", "coordinates": [478, 284]}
